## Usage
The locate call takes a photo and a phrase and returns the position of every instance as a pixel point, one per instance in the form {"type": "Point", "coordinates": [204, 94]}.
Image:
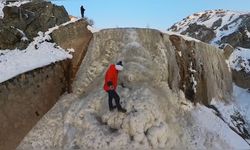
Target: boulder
{"type": "Point", "coordinates": [29, 18]}
{"type": "Point", "coordinates": [74, 36]}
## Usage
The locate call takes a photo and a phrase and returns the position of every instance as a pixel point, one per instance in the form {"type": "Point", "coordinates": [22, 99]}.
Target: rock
{"type": "Point", "coordinates": [233, 39]}
{"type": "Point", "coordinates": [11, 38]}
{"type": "Point", "coordinates": [228, 50]}
{"type": "Point", "coordinates": [30, 18]}
{"type": "Point", "coordinates": [157, 67]}
{"type": "Point", "coordinates": [208, 27]}
{"type": "Point", "coordinates": [26, 98]}
{"type": "Point", "coordinates": [217, 24]}
{"type": "Point", "coordinates": [75, 36]}
{"type": "Point", "coordinates": [241, 78]}
{"type": "Point", "coordinates": [197, 76]}
{"type": "Point", "coordinates": [199, 32]}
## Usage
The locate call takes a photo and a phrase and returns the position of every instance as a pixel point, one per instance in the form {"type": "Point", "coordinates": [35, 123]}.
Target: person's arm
{"type": "Point", "coordinates": [110, 85]}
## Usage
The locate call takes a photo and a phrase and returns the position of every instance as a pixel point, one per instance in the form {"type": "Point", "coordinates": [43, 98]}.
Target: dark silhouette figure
{"type": "Point", "coordinates": [82, 11]}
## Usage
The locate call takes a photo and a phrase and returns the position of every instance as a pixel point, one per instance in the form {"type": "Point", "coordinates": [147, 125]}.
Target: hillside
{"type": "Point", "coordinates": [228, 30]}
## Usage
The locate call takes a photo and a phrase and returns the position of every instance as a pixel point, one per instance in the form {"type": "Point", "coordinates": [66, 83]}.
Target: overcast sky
{"type": "Point", "coordinates": [159, 14]}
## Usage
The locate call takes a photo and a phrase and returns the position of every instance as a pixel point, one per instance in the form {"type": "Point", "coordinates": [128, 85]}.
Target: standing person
{"type": "Point", "coordinates": [111, 78]}
{"type": "Point", "coordinates": [82, 11]}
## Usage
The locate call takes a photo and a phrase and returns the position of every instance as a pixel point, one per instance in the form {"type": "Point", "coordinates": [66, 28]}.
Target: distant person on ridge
{"type": "Point", "coordinates": [82, 11]}
{"type": "Point", "coordinates": [111, 78]}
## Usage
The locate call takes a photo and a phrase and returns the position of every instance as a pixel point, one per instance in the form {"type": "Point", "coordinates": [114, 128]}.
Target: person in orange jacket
{"type": "Point", "coordinates": [111, 79]}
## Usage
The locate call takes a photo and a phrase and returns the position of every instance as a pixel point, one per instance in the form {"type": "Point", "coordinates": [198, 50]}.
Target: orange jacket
{"type": "Point", "coordinates": [111, 76]}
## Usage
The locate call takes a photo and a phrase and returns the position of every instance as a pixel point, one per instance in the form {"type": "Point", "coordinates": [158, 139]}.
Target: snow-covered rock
{"type": "Point", "coordinates": [159, 116]}
{"type": "Point", "coordinates": [25, 16]}
{"type": "Point", "coordinates": [222, 28]}
{"type": "Point", "coordinates": [214, 26]}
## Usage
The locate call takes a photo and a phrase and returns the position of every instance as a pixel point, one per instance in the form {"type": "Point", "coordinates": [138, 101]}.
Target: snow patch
{"type": "Point", "coordinates": [15, 62]}
{"type": "Point", "coordinates": [92, 29]}
{"type": "Point", "coordinates": [1, 9]}
{"type": "Point", "coordinates": [24, 37]}
{"type": "Point", "coordinates": [18, 4]}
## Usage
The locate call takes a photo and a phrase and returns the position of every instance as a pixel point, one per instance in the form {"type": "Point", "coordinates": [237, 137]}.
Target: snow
{"type": "Point", "coordinates": [248, 33]}
{"type": "Point", "coordinates": [24, 37]}
{"type": "Point", "coordinates": [242, 98]}
{"type": "Point", "coordinates": [208, 18]}
{"type": "Point", "coordinates": [183, 36]}
{"type": "Point", "coordinates": [15, 62]}
{"type": "Point", "coordinates": [39, 53]}
{"type": "Point", "coordinates": [1, 9]}
{"type": "Point", "coordinates": [17, 4]}
{"type": "Point", "coordinates": [92, 29]}
{"type": "Point", "coordinates": [207, 120]}
{"type": "Point", "coordinates": [240, 104]}
{"type": "Point", "coordinates": [240, 59]}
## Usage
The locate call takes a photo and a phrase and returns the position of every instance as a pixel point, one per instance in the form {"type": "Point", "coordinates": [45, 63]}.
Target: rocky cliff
{"type": "Point", "coordinates": [26, 98]}
{"type": "Point", "coordinates": [162, 74]}
{"type": "Point", "coordinates": [223, 29]}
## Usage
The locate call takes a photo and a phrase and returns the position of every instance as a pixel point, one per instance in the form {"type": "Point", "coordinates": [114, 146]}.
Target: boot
{"type": "Point", "coordinates": [122, 110]}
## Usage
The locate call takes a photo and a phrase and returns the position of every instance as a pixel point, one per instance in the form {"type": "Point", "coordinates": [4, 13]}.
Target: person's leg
{"type": "Point", "coordinates": [117, 102]}
{"type": "Point", "coordinates": [111, 96]}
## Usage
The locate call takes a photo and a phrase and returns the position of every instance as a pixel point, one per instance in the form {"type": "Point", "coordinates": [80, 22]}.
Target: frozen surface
{"type": "Point", "coordinates": [157, 117]}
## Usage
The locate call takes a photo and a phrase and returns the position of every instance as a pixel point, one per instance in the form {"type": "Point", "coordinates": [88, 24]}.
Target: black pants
{"type": "Point", "coordinates": [113, 95]}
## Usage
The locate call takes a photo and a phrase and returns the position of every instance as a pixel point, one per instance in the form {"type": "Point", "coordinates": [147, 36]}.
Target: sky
{"type": "Point", "coordinates": [158, 14]}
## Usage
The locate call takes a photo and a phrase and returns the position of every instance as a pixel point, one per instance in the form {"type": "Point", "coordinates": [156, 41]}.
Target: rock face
{"type": "Point", "coordinates": [158, 67]}
{"type": "Point", "coordinates": [221, 28]}
{"type": "Point", "coordinates": [26, 98]}
{"type": "Point", "coordinates": [76, 36]}
{"type": "Point", "coordinates": [21, 24]}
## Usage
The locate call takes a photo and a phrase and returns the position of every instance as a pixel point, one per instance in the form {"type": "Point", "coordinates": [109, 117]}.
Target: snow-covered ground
{"type": "Point", "coordinates": [15, 62]}
{"type": "Point", "coordinates": [207, 121]}
{"type": "Point", "coordinates": [239, 108]}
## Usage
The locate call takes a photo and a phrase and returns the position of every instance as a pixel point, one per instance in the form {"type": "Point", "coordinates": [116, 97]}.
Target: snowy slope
{"type": "Point", "coordinates": [237, 113]}
{"type": "Point", "coordinates": [207, 121]}
{"type": "Point", "coordinates": [208, 18]}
